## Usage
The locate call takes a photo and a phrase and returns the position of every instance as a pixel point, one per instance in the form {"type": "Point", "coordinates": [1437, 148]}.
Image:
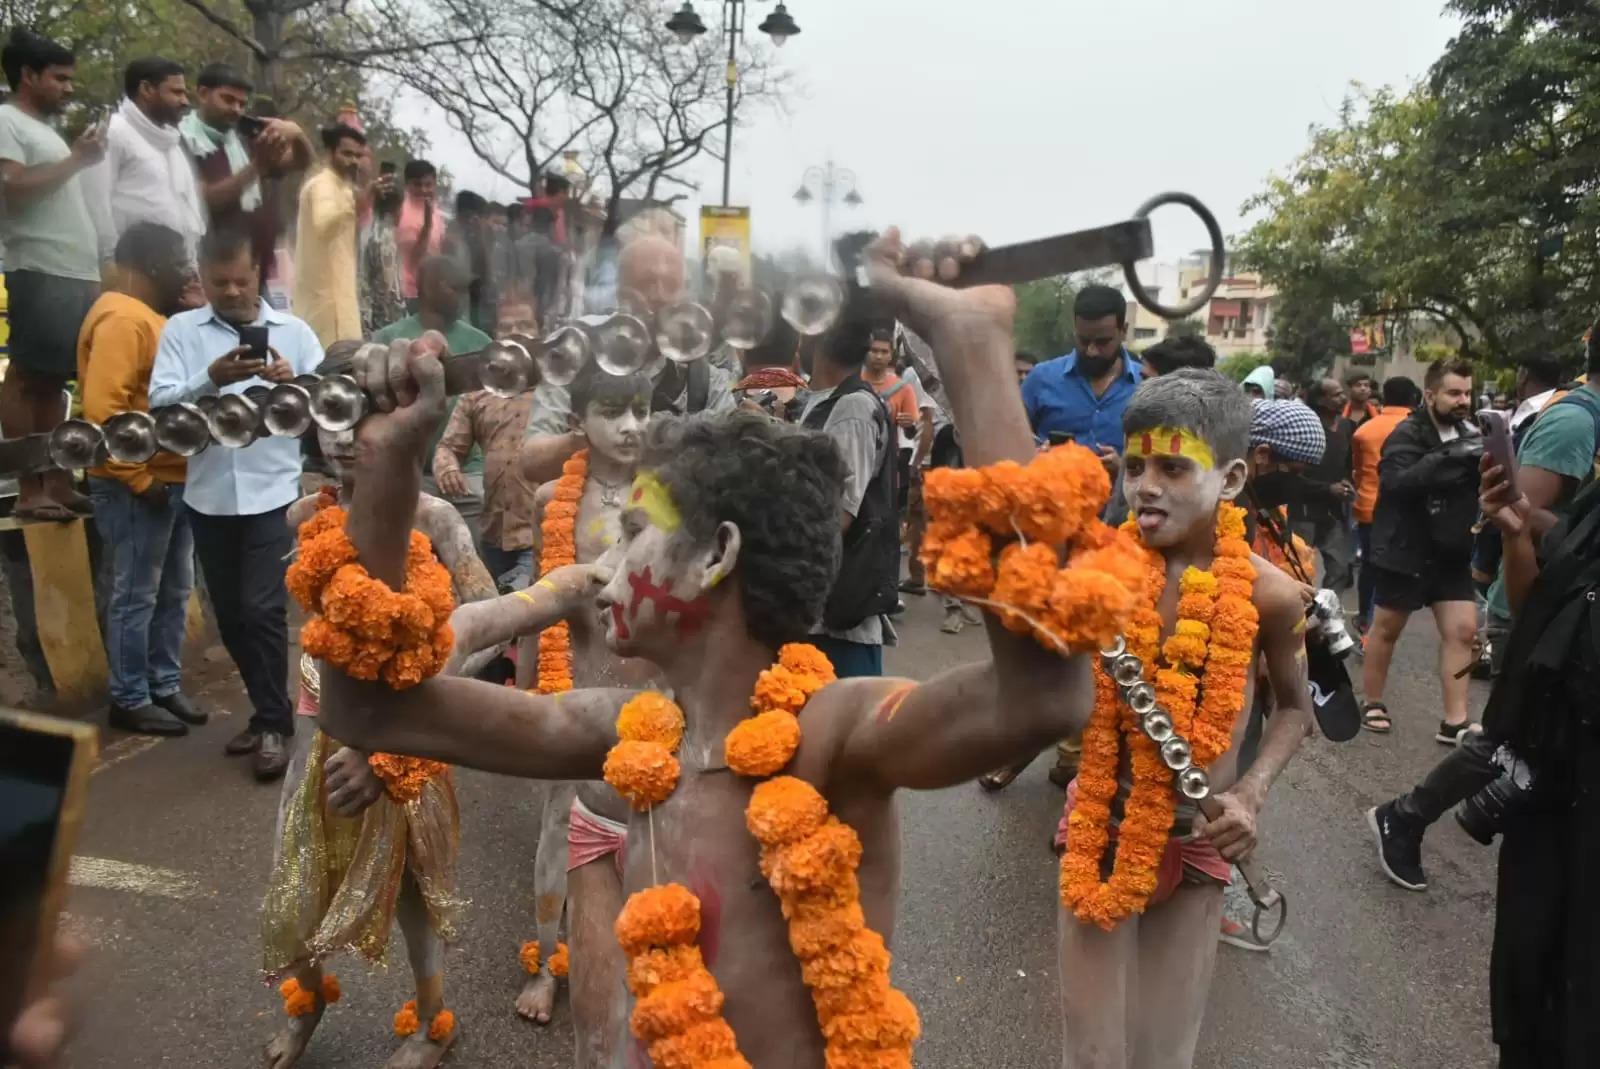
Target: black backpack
{"type": "Point", "coordinates": [671, 384]}
{"type": "Point", "coordinates": [869, 568]}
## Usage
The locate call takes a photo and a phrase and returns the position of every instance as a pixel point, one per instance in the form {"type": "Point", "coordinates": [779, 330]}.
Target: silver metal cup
{"type": "Point", "coordinates": [235, 421]}
{"type": "Point", "coordinates": [562, 354]}
{"type": "Point", "coordinates": [287, 411]}
{"type": "Point", "coordinates": [622, 344]}
{"type": "Point", "coordinates": [684, 332]}
{"type": "Point", "coordinates": [1141, 698]}
{"type": "Point", "coordinates": [1127, 670]}
{"type": "Point", "coordinates": [130, 437]}
{"type": "Point", "coordinates": [337, 403]}
{"type": "Point", "coordinates": [1193, 783]}
{"type": "Point", "coordinates": [76, 444]}
{"type": "Point", "coordinates": [182, 429]}
{"type": "Point", "coordinates": [506, 368]}
{"type": "Point", "coordinates": [1157, 725]}
{"type": "Point", "coordinates": [1176, 754]}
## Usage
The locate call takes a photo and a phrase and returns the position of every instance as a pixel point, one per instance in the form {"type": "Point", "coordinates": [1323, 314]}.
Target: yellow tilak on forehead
{"type": "Point", "coordinates": [651, 497]}
{"type": "Point", "coordinates": [1171, 442]}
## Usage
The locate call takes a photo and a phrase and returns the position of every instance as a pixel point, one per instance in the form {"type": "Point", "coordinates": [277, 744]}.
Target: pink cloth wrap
{"type": "Point", "coordinates": [591, 836]}
{"type": "Point", "coordinates": [1194, 853]}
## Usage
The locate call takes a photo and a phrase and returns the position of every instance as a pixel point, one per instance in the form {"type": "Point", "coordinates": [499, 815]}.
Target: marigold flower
{"type": "Point", "coordinates": [405, 1022]}
{"type": "Point", "coordinates": [297, 1001]}
{"type": "Point", "coordinates": [818, 861]}
{"type": "Point", "coordinates": [855, 1058]}
{"type": "Point", "coordinates": [404, 777]}
{"type": "Point", "coordinates": [1023, 583]}
{"type": "Point", "coordinates": [816, 930]}
{"type": "Point", "coordinates": [442, 1026]}
{"type": "Point", "coordinates": [779, 688]}
{"type": "Point", "coordinates": [763, 744]}
{"type": "Point", "coordinates": [784, 810]}
{"type": "Point", "coordinates": [663, 965]}
{"type": "Point", "coordinates": [676, 1007]}
{"type": "Point", "coordinates": [863, 997]}
{"type": "Point", "coordinates": [863, 957]}
{"type": "Point", "coordinates": [559, 963]}
{"type": "Point", "coordinates": [644, 773]}
{"type": "Point", "coordinates": [806, 660]}
{"type": "Point", "coordinates": [651, 717]}
{"type": "Point", "coordinates": [1085, 610]}
{"type": "Point", "coordinates": [331, 992]}
{"type": "Point", "coordinates": [892, 1024]}
{"type": "Point", "coordinates": [693, 1048]}
{"type": "Point", "coordinates": [663, 916]}
{"type": "Point", "coordinates": [529, 956]}
{"type": "Point", "coordinates": [962, 563]}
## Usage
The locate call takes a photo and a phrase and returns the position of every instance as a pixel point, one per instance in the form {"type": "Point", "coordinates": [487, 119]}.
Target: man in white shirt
{"type": "Point", "coordinates": [236, 498]}
{"type": "Point", "coordinates": [51, 257]}
{"type": "Point", "coordinates": [149, 176]}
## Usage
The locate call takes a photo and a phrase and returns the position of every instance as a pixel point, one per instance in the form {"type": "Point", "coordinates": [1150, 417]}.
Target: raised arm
{"type": "Point", "coordinates": [463, 721]}
{"type": "Point", "coordinates": [969, 719]}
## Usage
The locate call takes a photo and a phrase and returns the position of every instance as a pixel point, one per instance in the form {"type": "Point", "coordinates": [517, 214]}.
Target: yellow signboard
{"type": "Point", "coordinates": [723, 227]}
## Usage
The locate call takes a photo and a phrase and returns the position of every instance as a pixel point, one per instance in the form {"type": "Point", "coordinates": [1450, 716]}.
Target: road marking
{"type": "Point", "coordinates": [112, 875]}
{"type": "Point", "coordinates": [122, 749]}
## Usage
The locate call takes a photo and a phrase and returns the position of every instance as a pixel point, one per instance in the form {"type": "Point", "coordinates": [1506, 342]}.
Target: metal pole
{"type": "Point", "coordinates": [732, 11]}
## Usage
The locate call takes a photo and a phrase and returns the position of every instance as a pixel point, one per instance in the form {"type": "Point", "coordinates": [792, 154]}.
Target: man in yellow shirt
{"type": "Point", "coordinates": [332, 204]}
{"type": "Point", "coordinates": [138, 507]}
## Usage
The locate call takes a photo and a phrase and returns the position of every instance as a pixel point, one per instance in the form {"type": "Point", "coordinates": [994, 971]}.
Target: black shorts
{"type": "Point", "coordinates": [46, 313]}
{"type": "Point", "coordinates": [1408, 593]}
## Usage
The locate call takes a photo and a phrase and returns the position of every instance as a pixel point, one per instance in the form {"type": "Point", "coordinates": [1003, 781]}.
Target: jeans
{"type": "Point", "coordinates": [1464, 772]}
{"type": "Point", "coordinates": [149, 572]}
{"type": "Point", "coordinates": [513, 565]}
{"type": "Point", "coordinates": [850, 659]}
{"type": "Point", "coordinates": [1366, 580]}
{"type": "Point", "coordinates": [244, 559]}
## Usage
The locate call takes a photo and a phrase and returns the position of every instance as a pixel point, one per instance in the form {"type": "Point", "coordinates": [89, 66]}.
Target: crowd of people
{"type": "Point", "coordinates": [636, 561]}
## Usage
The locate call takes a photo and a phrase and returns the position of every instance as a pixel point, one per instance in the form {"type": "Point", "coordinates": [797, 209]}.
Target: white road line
{"type": "Point", "coordinates": [122, 749]}
{"type": "Point", "coordinates": [112, 875]}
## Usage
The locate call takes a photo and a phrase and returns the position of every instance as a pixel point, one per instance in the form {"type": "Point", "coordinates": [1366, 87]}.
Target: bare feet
{"type": "Point", "coordinates": [419, 1052]}
{"type": "Point", "coordinates": [287, 1046]}
{"type": "Point", "coordinates": [538, 998]}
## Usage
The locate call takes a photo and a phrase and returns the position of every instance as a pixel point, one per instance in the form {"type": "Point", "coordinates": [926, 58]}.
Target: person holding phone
{"type": "Point", "coordinates": [242, 160]}
{"type": "Point", "coordinates": [236, 498]}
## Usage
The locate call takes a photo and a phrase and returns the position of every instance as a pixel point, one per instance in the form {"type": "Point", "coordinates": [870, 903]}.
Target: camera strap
{"type": "Point", "coordinates": [1268, 520]}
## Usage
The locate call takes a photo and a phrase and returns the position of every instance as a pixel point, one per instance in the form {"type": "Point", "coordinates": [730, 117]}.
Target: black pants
{"type": "Point", "coordinates": [243, 558]}
{"type": "Point", "coordinates": [1465, 771]}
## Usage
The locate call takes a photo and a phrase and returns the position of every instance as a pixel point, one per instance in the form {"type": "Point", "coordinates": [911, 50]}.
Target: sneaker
{"type": "Point", "coordinates": [1238, 935]}
{"type": "Point", "coordinates": [1399, 848]}
{"type": "Point", "coordinates": [952, 622]}
{"type": "Point", "coordinates": [1452, 734]}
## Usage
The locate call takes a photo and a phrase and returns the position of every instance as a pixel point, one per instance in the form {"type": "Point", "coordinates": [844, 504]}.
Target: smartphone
{"type": "Point", "coordinates": [1061, 437]}
{"type": "Point", "coordinates": [1497, 443]}
{"type": "Point", "coordinates": [44, 778]}
{"type": "Point", "coordinates": [256, 338]}
{"type": "Point", "coordinates": [250, 126]}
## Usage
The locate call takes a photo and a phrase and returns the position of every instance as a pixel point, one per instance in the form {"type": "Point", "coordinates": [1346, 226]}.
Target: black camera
{"type": "Point", "coordinates": [1485, 814]}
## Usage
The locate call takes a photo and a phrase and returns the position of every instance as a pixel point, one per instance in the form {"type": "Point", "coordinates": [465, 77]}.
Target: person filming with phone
{"type": "Point", "coordinates": [236, 497]}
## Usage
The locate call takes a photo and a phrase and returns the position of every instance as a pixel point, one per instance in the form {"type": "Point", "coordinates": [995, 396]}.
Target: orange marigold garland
{"type": "Point", "coordinates": [1034, 517]}
{"type": "Point", "coordinates": [407, 1023]}
{"type": "Point", "coordinates": [559, 549]}
{"type": "Point", "coordinates": [1206, 658]}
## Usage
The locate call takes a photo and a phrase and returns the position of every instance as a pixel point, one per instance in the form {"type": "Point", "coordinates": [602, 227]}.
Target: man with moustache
{"type": "Point", "coordinates": [148, 177]}
{"type": "Point", "coordinates": [1422, 542]}
{"type": "Point", "coordinates": [331, 205]}
{"type": "Point", "coordinates": [1082, 394]}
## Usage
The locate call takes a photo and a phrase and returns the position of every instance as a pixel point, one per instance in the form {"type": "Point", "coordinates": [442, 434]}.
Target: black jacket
{"type": "Point", "coordinates": [1427, 498]}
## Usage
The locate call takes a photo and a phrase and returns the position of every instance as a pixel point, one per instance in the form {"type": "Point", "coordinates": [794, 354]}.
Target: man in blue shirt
{"type": "Point", "coordinates": [1083, 393]}
{"type": "Point", "coordinates": [236, 498]}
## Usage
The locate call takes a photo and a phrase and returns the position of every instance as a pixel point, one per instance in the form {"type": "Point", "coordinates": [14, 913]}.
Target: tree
{"type": "Point", "coordinates": [532, 79]}
{"type": "Point", "coordinates": [1473, 198]}
{"type": "Point", "coordinates": [1043, 324]}
{"type": "Point", "coordinates": [1237, 366]}
{"type": "Point", "coordinates": [1186, 328]}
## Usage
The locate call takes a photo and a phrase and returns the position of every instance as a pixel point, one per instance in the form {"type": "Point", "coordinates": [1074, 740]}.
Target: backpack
{"type": "Point", "coordinates": [869, 566]}
{"type": "Point", "coordinates": [670, 384]}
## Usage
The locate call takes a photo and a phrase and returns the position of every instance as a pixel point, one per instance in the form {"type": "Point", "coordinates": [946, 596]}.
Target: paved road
{"type": "Point", "coordinates": [176, 850]}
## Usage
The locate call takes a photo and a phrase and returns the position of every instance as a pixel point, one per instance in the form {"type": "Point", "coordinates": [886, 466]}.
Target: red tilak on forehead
{"type": "Point", "coordinates": [1174, 446]}
{"type": "Point", "coordinates": [691, 614]}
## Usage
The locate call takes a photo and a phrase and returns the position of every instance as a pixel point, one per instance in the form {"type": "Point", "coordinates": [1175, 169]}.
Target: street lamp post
{"type": "Point", "coordinates": [827, 184]}
{"type": "Point", "coordinates": [686, 24]}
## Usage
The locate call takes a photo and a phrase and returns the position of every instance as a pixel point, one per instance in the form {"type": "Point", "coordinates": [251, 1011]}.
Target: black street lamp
{"type": "Point", "coordinates": [686, 24]}
{"type": "Point", "coordinates": [826, 185]}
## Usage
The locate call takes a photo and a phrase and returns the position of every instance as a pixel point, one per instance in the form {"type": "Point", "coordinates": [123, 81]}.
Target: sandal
{"type": "Point", "coordinates": [1001, 778]}
{"type": "Point", "coordinates": [1375, 718]}
{"type": "Point", "coordinates": [49, 512]}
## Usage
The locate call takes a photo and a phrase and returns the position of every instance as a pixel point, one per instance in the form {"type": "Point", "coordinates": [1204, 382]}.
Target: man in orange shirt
{"type": "Point", "coordinates": [899, 398]}
{"type": "Point", "coordinates": [1400, 396]}
{"type": "Point", "coordinates": [138, 507]}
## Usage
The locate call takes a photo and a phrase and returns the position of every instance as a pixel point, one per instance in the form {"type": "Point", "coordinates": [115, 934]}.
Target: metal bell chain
{"type": "Point", "coordinates": [1127, 671]}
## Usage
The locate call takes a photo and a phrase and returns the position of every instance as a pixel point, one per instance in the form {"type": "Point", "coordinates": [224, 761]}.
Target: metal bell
{"type": "Point", "coordinates": [812, 303]}
{"type": "Point", "coordinates": [130, 437]}
{"type": "Point", "coordinates": [561, 354]}
{"type": "Point", "coordinates": [287, 410]}
{"type": "Point", "coordinates": [235, 421]}
{"type": "Point", "coordinates": [1141, 698]}
{"type": "Point", "coordinates": [206, 403]}
{"type": "Point", "coordinates": [76, 444]}
{"type": "Point", "coordinates": [1176, 754]}
{"type": "Point", "coordinates": [1127, 670]}
{"type": "Point", "coordinates": [1110, 653]}
{"type": "Point", "coordinates": [257, 394]}
{"type": "Point", "coordinates": [337, 403]}
{"type": "Point", "coordinates": [747, 319]}
{"type": "Point", "coordinates": [622, 344]}
{"type": "Point", "coordinates": [1193, 783]}
{"type": "Point", "coordinates": [506, 368]}
{"type": "Point", "coordinates": [1157, 724]}
{"type": "Point", "coordinates": [182, 429]}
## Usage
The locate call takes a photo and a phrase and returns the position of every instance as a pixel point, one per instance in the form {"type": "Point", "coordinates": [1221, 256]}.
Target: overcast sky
{"type": "Point", "coordinates": [1019, 118]}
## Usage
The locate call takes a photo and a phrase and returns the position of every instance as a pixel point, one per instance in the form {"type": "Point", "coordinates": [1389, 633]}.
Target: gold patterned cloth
{"type": "Point", "coordinates": [335, 879]}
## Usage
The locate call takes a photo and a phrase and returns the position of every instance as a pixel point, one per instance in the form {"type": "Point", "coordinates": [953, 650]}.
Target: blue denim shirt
{"type": "Point", "coordinates": [222, 481]}
{"type": "Point", "coordinates": [1060, 399]}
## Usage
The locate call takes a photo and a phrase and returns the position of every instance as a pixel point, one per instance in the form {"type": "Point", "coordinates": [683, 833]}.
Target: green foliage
{"type": "Point", "coordinates": [1044, 317]}
{"type": "Point", "coordinates": [1186, 328]}
{"type": "Point", "coordinates": [1237, 366]}
{"type": "Point", "coordinates": [1474, 198]}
